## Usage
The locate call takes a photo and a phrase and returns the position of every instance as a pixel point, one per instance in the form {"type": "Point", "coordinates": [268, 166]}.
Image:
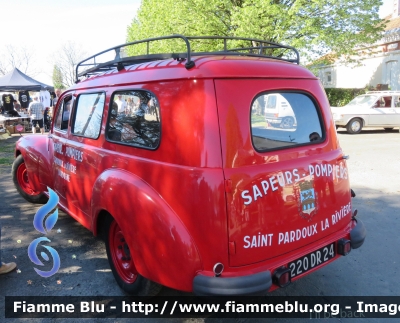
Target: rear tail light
{"type": "Point", "coordinates": [343, 247]}
{"type": "Point", "coordinates": [282, 277]}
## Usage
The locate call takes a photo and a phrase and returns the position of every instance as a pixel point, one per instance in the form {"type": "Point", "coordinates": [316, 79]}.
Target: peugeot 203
{"type": "Point", "coordinates": [170, 159]}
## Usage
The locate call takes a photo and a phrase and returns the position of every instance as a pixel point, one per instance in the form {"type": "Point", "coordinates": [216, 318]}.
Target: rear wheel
{"type": "Point", "coordinates": [354, 126]}
{"type": "Point", "coordinates": [287, 123]}
{"type": "Point", "coordinates": [122, 263]}
{"type": "Point", "coordinates": [21, 182]}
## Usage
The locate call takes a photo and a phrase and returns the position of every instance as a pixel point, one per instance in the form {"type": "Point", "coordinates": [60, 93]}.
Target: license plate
{"type": "Point", "coordinates": [312, 260]}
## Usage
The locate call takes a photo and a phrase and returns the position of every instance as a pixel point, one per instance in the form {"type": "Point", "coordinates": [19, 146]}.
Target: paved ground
{"type": "Point", "coordinates": [372, 270]}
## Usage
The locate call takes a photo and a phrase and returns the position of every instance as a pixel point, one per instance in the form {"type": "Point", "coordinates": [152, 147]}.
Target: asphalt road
{"type": "Point", "coordinates": [372, 270]}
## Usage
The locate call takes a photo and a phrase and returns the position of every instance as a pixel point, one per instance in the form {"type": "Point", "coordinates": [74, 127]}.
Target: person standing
{"type": "Point", "coordinates": [17, 106]}
{"type": "Point", "coordinates": [52, 97]}
{"type": "Point", "coordinates": [15, 110]}
{"type": "Point", "coordinates": [56, 97]}
{"type": "Point", "coordinates": [36, 111]}
{"type": "Point", "coordinates": [44, 97]}
{"type": "Point", "coordinates": [121, 105]}
{"type": "Point", "coordinates": [5, 268]}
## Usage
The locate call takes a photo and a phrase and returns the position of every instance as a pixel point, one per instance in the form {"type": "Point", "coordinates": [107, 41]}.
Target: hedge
{"type": "Point", "coordinates": [340, 97]}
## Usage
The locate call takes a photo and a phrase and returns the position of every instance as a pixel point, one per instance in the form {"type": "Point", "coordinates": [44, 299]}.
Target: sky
{"type": "Point", "coordinates": [386, 8]}
{"type": "Point", "coordinates": [94, 25]}
{"type": "Point", "coordinates": [45, 25]}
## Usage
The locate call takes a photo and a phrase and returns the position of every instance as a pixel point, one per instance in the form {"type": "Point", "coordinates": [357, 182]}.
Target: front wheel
{"type": "Point", "coordinates": [21, 182]}
{"type": "Point", "coordinates": [122, 263]}
{"type": "Point", "coordinates": [354, 126]}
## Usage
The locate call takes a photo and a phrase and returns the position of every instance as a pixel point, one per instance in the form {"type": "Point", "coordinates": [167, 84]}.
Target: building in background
{"type": "Point", "coordinates": [377, 66]}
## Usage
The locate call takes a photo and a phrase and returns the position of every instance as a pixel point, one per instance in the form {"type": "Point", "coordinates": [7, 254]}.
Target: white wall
{"type": "Point", "coordinates": [369, 71]}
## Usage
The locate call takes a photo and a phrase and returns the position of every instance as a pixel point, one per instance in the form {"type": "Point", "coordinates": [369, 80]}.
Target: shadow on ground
{"type": "Point", "coordinates": [371, 270]}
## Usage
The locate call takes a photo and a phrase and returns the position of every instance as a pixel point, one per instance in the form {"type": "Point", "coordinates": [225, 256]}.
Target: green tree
{"type": "Point", "coordinates": [314, 27]}
{"type": "Point", "coordinates": [58, 78]}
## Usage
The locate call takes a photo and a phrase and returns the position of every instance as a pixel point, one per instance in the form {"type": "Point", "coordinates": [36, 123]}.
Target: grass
{"type": "Point", "coordinates": [258, 121]}
{"type": "Point", "coordinates": [7, 147]}
{"type": "Point", "coordinates": [6, 161]}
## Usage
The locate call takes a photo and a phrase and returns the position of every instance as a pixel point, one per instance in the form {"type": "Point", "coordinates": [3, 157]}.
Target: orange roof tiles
{"type": "Point", "coordinates": [392, 23]}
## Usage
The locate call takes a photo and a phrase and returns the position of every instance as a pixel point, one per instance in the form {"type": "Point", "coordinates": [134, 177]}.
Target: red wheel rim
{"type": "Point", "coordinates": [23, 180]}
{"type": "Point", "coordinates": [121, 255]}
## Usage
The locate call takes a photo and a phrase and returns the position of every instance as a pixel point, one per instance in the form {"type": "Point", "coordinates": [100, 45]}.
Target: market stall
{"type": "Point", "coordinates": [16, 81]}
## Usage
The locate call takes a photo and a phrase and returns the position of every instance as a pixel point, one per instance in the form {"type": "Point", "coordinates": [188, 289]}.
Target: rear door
{"type": "Point", "coordinates": [287, 187]}
{"type": "Point", "coordinates": [75, 146]}
{"type": "Point", "coordinates": [83, 152]}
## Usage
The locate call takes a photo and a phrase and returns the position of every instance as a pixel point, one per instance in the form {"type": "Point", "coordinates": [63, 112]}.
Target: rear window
{"type": "Point", "coordinates": [296, 123]}
{"type": "Point", "coordinates": [270, 101]}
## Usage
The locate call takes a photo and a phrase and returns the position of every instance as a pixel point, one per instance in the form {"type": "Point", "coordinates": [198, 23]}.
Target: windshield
{"type": "Point", "coordinates": [363, 100]}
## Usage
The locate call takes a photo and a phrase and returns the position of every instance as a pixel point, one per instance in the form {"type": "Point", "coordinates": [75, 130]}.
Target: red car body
{"type": "Point", "coordinates": [204, 210]}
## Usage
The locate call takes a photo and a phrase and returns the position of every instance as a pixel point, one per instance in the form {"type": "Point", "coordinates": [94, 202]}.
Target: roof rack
{"type": "Point", "coordinates": [256, 48]}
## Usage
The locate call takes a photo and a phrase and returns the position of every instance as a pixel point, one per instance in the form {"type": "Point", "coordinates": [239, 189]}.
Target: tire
{"type": "Point", "coordinates": [354, 126]}
{"type": "Point", "coordinates": [388, 129]}
{"type": "Point", "coordinates": [21, 182]}
{"type": "Point", "coordinates": [287, 123]}
{"type": "Point", "coordinates": [122, 264]}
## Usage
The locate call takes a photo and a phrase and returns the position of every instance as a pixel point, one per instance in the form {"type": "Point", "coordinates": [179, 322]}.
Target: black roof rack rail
{"type": "Point", "coordinates": [257, 48]}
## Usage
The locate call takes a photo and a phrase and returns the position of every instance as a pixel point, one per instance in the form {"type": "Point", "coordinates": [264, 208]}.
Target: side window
{"type": "Point", "coordinates": [134, 119]}
{"type": "Point", "coordinates": [270, 101]}
{"type": "Point", "coordinates": [88, 115]}
{"type": "Point", "coordinates": [386, 102]}
{"type": "Point", "coordinates": [63, 114]}
{"type": "Point", "coordinates": [295, 121]}
{"type": "Point", "coordinates": [328, 77]}
{"type": "Point", "coordinates": [396, 101]}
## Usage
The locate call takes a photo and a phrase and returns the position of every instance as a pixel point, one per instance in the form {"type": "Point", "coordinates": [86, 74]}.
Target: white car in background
{"type": "Point", "coordinates": [373, 109]}
{"type": "Point", "coordinates": [278, 112]}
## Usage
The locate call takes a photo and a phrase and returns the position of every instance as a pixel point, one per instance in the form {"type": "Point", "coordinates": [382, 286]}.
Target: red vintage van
{"type": "Point", "coordinates": [171, 159]}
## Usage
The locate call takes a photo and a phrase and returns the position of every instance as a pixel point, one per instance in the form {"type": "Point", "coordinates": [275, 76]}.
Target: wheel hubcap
{"type": "Point", "coordinates": [287, 123]}
{"type": "Point", "coordinates": [121, 255]}
{"type": "Point", "coordinates": [355, 126]}
{"type": "Point", "coordinates": [23, 180]}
